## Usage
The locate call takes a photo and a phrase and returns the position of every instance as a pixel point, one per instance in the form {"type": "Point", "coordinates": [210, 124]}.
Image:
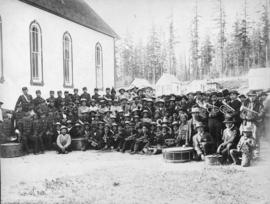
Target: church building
{"type": "Point", "coordinates": [53, 45]}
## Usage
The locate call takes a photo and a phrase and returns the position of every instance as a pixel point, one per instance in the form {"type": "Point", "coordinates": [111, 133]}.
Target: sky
{"type": "Point", "coordinates": [136, 17]}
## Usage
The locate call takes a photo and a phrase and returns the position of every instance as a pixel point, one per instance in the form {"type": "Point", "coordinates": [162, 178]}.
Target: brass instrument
{"type": "Point", "coordinates": [244, 108]}
{"type": "Point", "coordinates": [211, 108]}
{"type": "Point", "coordinates": [247, 113]}
{"type": "Point", "coordinates": [226, 109]}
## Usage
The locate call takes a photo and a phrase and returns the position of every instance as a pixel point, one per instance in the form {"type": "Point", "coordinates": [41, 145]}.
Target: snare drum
{"type": "Point", "coordinates": [9, 150]}
{"type": "Point", "coordinates": [178, 154]}
{"type": "Point", "coordinates": [213, 159]}
{"type": "Point", "coordinates": [78, 143]}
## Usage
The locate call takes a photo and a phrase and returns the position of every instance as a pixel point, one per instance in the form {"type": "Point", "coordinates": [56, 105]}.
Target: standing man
{"type": "Point", "coordinates": [96, 95]}
{"type": "Point", "coordinates": [24, 101]}
{"type": "Point", "coordinates": [51, 100]}
{"type": "Point", "coordinates": [215, 119]}
{"type": "Point", "coordinates": [86, 95]}
{"type": "Point", "coordinates": [59, 99]}
{"type": "Point", "coordinates": [236, 105]}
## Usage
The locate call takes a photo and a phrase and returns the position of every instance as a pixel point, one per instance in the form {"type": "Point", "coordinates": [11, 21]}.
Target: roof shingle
{"type": "Point", "coordinates": [77, 11]}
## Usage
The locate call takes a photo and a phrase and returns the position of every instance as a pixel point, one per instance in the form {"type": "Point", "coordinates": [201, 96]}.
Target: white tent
{"type": "Point", "coordinates": [140, 83]}
{"type": "Point", "coordinates": [168, 84]}
{"type": "Point", "coordinates": [259, 78]}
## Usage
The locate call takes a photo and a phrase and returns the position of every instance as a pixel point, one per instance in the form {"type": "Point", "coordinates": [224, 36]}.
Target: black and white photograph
{"type": "Point", "coordinates": [135, 101]}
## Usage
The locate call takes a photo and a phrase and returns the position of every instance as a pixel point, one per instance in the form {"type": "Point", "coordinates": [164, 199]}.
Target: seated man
{"type": "Point", "coordinates": [202, 142]}
{"type": "Point", "coordinates": [63, 141]}
{"type": "Point", "coordinates": [230, 136]}
{"type": "Point", "coordinates": [130, 139]}
{"type": "Point", "coordinates": [244, 148]}
{"type": "Point", "coordinates": [143, 139]}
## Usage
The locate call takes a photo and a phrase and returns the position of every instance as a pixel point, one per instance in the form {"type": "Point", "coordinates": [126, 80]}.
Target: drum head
{"type": "Point", "coordinates": [178, 149]}
{"type": "Point", "coordinates": [10, 144]}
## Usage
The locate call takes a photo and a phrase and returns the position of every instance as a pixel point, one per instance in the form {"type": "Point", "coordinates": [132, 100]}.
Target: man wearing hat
{"type": "Point", "coordinates": [202, 142]}
{"type": "Point", "coordinates": [107, 138]}
{"type": "Point", "coordinates": [51, 99]}
{"type": "Point", "coordinates": [24, 100]}
{"type": "Point", "coordinates": [86, 95]}
{"type": "Point", "coordinates": [108, 94]}
{"type": "Point", "coordinates": [25, 126]}
{"type": "Point", "coordinates": [96, 94]}
{"type": "Point", "coordinates": [75, 95]}
{"type": "Point", "coordinates": [215, 119]}
{"type": "Point", "coordinates": [236, 105]}
{"type": "Point", "coordinates": [38, 100]}
{"type": "Point", "coordinates": [39, 129]}
{"type": "Point", "coordinates": [230, 139]}
{"type": "Point", "coordinates": [129, 141]}
{"type": "Point", "coordinates": [63, 142]}
{"type": "Point", "coordinates": [142, 140]}
{"type": "Point", "coordinates": [59, 99]}
{"type": "Point", "coordinates": [244, 148]}
{"type": "Point", "coordinates": [83, 110]}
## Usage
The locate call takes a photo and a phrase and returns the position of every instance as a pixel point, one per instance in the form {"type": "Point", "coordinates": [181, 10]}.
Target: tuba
{"type": "Point", "coordinates": [226, 109]}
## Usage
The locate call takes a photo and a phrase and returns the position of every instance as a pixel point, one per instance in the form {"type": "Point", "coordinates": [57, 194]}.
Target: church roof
{"type": "Point", "coordinates": [77, 11]}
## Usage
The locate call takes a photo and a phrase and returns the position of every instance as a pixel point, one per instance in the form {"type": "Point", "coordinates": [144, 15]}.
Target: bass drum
{"type": "Point", "coordinates": [78, 143]}
{"type": "Point", "coordinates": [9, 150]}
{"type": "Point", "coordinates": [178, 154]}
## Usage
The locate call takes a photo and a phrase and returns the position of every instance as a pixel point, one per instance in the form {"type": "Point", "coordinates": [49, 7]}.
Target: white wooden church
{"type": "Point", "coordinates": [53, 45]}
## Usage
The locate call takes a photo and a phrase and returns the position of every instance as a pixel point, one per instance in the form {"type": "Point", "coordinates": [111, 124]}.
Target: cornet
{"type": "Point", "coordinates": [226, 109]}
{"type": "Point", "coordinates": [211, 108]}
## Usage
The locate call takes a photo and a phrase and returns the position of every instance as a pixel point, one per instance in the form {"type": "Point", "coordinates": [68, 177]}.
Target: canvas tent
{"type": "Point", "coordinates": [140, 83]}
{"type": "Point", "coordinates": [259, 78]}
{"type": "Point", "coordinates": [168, 84]}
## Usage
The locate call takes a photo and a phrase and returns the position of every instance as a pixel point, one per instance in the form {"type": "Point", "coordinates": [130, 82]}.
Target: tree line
{"type": "Point", "coordinates": [232, 54]}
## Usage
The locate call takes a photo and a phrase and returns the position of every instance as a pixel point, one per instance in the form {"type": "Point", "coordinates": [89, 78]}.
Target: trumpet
{"type": "Point", "coordinates": [226, 109]}
{"type": "Point", "coordinates": [211, 108]}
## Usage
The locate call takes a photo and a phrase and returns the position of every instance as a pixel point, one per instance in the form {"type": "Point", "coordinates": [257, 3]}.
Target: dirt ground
{"type": "Point", "coordinates": [112, 177]}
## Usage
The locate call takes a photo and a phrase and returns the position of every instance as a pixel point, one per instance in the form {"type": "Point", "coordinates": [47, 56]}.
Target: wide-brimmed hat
{"type": "Point", "coordinates": [229, 120]}
{"type": "Point", "coordinates": [1, 103]}
{"type": "Point", "coordinates": [160, 100]}
{"type": "Point", "coordinates": [252, 93]}
{"type": "Point", "coordinates": [234, 92]}
{"type": "Point", "coordinates": [175, 123]}
{"type": "Point", "coordinates": [199, 124]}
{"type": "Point", "coordinates": [63, 127]}
{"type": "Point", "coordinates": [121, 89]}
{"type": "Point", "coordinates": [165, 126]}
{"type": "Point", "coordinates": [57, 123]}
{"type": "Point", "coordinates": [195, 110]}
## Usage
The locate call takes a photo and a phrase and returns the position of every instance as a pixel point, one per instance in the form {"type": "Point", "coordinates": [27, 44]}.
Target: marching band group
{"type": "Point", "coordinates": [225, 122]}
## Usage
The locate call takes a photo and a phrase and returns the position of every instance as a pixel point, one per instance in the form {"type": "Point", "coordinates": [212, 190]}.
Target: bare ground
{"type": "Point", "coordinates": [112, 177]}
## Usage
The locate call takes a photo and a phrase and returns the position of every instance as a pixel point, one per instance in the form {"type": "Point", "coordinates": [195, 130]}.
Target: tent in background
{"type": "Point", "coordinates": [140, 83]}
{"type": "Point", "coordinates": [259, 78]}
{"type": "Point", "coordinates": [168, 84]}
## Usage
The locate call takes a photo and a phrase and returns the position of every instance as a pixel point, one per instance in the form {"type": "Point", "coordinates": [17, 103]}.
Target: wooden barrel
{"type": "Point", "coordinates": [213, 159]}
{"type": "Point", "coordinates": [78, 143]}
{"type": "Point", "coordinates": [9, 150]}
{"type": "Point", "coordinates": [178, 154]}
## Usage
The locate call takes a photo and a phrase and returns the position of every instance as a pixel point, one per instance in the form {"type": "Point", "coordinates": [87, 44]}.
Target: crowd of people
{"type": "Point", "coordinates": [222, 122]}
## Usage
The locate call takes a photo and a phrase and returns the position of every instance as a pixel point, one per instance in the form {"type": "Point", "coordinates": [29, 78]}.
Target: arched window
{"type": "Point", "coordinates": [99, 67]}
{"type": "Point", "coordinates": [67, 63]}
{"type": "Point", "coordinates": [1, 54]}
{"type": "Point", "coordinates": [36, 54]}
